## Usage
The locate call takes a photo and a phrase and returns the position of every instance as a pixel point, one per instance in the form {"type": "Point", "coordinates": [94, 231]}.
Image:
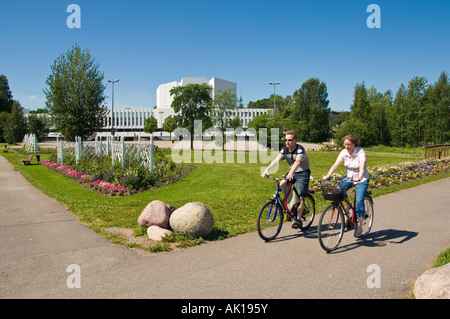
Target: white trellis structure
{"type": "Point", "coordinates": [30, 143]}
{"type": "Point", "coordinates": [120, 151]}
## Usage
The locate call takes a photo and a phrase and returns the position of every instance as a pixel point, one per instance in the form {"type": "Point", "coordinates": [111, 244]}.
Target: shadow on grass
{"type": "Point", "coordinates": [217, 234]}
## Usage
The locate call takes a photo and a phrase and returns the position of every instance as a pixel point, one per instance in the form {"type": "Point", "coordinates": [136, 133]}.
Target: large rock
{"type": "Point", "coordinates": [157, 233]}
{"type": "Point", "coordinates": [433, 284]}
{"type": "Point", "coordinates": [194, 219]}
{"type": "Point", "coordinates": [156, 213]}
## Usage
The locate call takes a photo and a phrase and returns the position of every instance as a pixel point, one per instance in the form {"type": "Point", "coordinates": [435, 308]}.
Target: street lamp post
{"type": "Point", "coordinates": [274, 84]}
{"type": "Point", "coordinates": [112, 108]}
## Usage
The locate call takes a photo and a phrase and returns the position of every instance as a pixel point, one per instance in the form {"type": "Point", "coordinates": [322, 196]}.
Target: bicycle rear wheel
{"type": "Point", "coordinates": [331, 227]}
{"type": "Point", "coordinates": [270, 220]}
{"type": "Point", "coordinates": [309, 211]}
{"type": "Point", "coordinates": [368, 220]}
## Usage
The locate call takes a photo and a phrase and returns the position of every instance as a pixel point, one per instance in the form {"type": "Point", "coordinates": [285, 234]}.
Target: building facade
{"type": "Point", "coordinates": [129, 122]}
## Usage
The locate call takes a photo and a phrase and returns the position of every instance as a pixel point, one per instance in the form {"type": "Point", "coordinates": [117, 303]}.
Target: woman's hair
{"type": "Point", "coordinates": [352, 138]}
{"type": "Point", "coordinates": [293, 133]}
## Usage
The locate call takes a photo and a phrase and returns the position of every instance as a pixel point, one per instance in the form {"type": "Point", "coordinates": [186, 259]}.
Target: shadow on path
{"type": "Point", "coordinates": [378, 239]}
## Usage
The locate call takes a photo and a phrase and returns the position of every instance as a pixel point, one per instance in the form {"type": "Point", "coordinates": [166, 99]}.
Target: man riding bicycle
{"type": "Point", "coordinates": [299, 172]}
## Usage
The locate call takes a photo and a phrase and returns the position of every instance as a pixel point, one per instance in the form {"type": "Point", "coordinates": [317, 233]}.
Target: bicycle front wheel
{"type": "Point", "coordinates": [270, 220]}
{"type": "Point", "coordinates": [368, 219]}
{"type": "Point", "coordinates": [331, 227]}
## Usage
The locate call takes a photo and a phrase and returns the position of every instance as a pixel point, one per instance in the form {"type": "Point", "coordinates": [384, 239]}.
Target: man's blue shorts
{"type": "Point", "coordinates": [302, 182]}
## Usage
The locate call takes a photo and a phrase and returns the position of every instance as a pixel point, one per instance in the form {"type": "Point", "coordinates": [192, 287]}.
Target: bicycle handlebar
{"type": "Point", "coordinates": [338, 181]}
{"type": "Point", "coordinates": [274, 178]}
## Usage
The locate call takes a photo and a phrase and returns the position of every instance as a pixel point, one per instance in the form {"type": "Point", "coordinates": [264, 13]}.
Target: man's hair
{"type": "Point", "coordinates": [293, 133]}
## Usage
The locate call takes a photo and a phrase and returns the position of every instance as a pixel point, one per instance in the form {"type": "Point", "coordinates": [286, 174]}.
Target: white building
{"type": "Point", "coordinates": [164, 99]}
{"type": "Point", "coordinates": [130, 122]}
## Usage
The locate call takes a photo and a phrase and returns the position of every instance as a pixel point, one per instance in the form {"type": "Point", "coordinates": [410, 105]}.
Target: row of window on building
{"type": "Point", "coordinates": [135, 118]}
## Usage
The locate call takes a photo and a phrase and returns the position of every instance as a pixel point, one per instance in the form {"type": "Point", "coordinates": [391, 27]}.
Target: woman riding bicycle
{"type": "Point", "coordinates": [355, 162]}
{"type": "Point", "coordinates": [299, 171]}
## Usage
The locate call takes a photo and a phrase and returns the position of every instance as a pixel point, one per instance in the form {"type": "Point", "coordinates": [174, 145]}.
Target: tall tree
{"type": "Point", "coordinates": [6, 101]}
{"type": "Point", "coordinates": [397, 118]}
{"type": "Point", "coordinates": [415, 108]}
{"type": "Point", "coordinates": [6, 98]}
{"type": "Point", "coordinates": [359, 122]}
{"type": "Point", "coordinates": [169, 125]}
{"type": "Point", "coordinates": [221, 106]}
{"type": "Point", "coordinates": [310, 111]}
{"type": "Point", "coordinates": [192, 102]}
{"type": "Point", "coordinates": [38, 125]}
{"type": "Point", "coordinates": [4, 118]}
{"type": "Point", "coordinates": [438, 111]}
{"type": "Point", "coordinates": [16, 126]}
{"type": "Point", "coordinates": [150, 125]}
{"type": "Point", "coordinates": [379, 104]}
{"type": "Point", "coordinates": [75, 94]}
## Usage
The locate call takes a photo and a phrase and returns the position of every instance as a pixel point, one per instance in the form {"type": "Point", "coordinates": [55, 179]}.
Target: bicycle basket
{"type": "Point", "coordinates": [332, 193]}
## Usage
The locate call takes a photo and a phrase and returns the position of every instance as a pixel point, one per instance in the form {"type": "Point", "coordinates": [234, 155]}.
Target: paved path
{"type": "Point", "coordinates": [39, 239]}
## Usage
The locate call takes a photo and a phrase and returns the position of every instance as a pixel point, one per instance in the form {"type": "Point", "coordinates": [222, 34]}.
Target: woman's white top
{"type": "Point", "coordinates": [352, 161]}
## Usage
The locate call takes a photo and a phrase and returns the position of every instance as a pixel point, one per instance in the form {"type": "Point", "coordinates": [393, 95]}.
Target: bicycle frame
{"type": "Point", "coordinates": [281, 202]}
{"type": "Point", "coordinates": [276, 198]}
{"type": "Point", "coordinates": [352, 217]}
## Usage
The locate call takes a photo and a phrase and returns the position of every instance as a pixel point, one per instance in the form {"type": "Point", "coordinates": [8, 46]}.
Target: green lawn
{"type": "Point", "coordinates": [233, 192]}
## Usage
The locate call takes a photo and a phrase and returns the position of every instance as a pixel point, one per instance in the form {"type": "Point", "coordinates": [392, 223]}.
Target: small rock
{"type": "Point", "coordinates": [194, 219]}
{"type": "Point", "coordinates": [156, 213]}
{"type": "Point", "coordinates": [433, 284]}
{"type": "Point", "coordinates": [157, 233]}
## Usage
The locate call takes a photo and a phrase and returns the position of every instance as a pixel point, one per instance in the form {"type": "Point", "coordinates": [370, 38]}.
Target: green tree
{"type": "Point", "coordinates": [396, 115]}
{"type": "Point", "coordinates": [378, 124]}
{"type": "Point", "coordinates": [170, 124]}
{"type": "Point", "coordinates": [75, 94]}
{"type": "Point", "coordinates": [38, 125]}
{"type": "Point", "coordinates": [16, 126]}
{"type": "Point", "coordinates": [221, 106]}
{"type": "Point", "coordinates": [192, 102]}
{"type": "Point", "coordinates": [438, 111]}
{"type": "Point", "coordinates": [6, 101]}
{"type": "Point", "coordinates": [4, 118]}
{"type": "Point", "coordinates": [236, 122]}
{"type": "Point", "coordinates": [415, 110]}
{"type": "Point", "coordinates": [150, 125]}
{"type": "Point", "coordinates": [310, 111]}
{"type": "Point", "coordinates": [6, 98]}
{"type": "Point", "coordinates": [359, 123]}
{"type": "Point", "coordinates": [263, 125]}
{"type": "Point", "coordinates": [261, 104]}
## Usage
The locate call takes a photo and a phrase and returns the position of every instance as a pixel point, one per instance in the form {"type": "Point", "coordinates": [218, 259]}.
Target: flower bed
{"type": "Point", "coordinates": [114, 181]}
{"type": "Point", "coordinates": [387, 175]}
{"type": "Point", "coordinates": [86, 179]}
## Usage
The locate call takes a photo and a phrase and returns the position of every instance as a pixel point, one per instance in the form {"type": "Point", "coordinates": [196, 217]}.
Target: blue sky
{"type": "Point", "coordinates": [250, 42]}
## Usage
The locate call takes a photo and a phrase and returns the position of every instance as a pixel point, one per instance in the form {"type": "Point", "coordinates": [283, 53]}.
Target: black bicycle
{"type": "Point", "coordinates": [271, 214]}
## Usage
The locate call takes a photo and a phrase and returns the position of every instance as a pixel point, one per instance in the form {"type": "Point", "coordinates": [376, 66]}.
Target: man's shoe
{"type": "Point", "coordinates": [296, 224]}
